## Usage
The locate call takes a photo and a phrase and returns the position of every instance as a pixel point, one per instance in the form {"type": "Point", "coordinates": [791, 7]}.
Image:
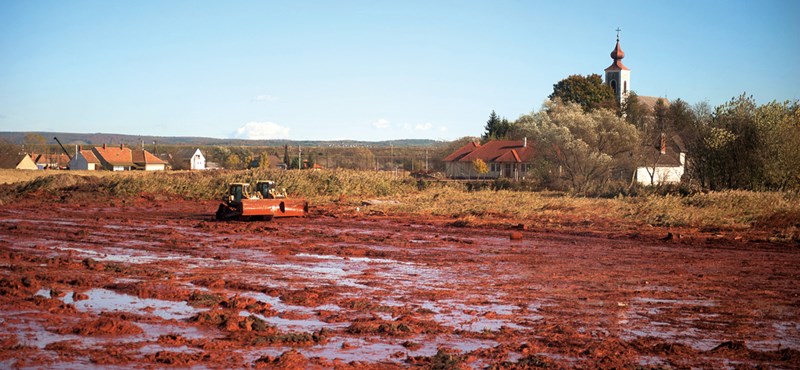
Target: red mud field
{"type": "Point", "coordinates": [158, 283]}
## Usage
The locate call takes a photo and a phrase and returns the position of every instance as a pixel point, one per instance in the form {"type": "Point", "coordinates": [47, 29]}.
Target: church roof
{"type": "Point", "coordinates": [617, 54]}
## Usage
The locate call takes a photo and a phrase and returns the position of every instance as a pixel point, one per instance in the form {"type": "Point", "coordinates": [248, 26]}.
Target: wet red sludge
{"type": "Point", "coordinates": [152, 284]}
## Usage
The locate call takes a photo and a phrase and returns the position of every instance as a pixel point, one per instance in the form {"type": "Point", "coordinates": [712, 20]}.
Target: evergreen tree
{"type": "Point", "coordinates": [496, 127]}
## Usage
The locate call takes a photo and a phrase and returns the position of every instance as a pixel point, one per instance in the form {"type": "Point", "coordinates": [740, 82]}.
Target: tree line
{"type": "Point", "coordinates": [585, 139]}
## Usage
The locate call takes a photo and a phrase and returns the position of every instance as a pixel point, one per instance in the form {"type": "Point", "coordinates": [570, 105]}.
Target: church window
{"type": "Point", "coordinates": [625, 89]}
{"type": "Point", "coordinates": [614, 86]}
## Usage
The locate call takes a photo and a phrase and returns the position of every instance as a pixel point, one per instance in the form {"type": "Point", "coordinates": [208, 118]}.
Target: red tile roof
{"type": "Point", "coordinates": [115, 156]}
{"type": "Point", "coordinates": [501, 151]}
{"type": "Point", "coordinates": [89, 156]}
{"type": "Point", "coordinates": [59, 159]}
{"type": "Point", "coordinates": [142, 157]}
{"type": "Point", "coordinates": [461, 152]}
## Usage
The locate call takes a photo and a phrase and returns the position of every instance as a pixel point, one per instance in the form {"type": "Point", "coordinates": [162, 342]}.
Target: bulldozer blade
{"type": "Point", "coordinates": [259, 207]}
{"type": "Point", "coordinates": [274, 207]}
{"type": "Point", "coordinates": [292, 208]}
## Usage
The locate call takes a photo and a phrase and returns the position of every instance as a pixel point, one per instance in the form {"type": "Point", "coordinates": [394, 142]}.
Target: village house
{"type": "Point", "coordinates": [84, 159]}
{"type": "Point", "coordinates": [505, 159]}
{"type": "Point", "coordinates": [186, 159]}
{"type": "Point", "coordinates": [51, 161]}
{"type": "Point", "coordinates": [662, 164]}
{"type": "Point", "coordinates": [116, 159]}
{"type": "Point", "coordinates": [274, 162]}
{"type": "Point", "coordinates": [18, 161]}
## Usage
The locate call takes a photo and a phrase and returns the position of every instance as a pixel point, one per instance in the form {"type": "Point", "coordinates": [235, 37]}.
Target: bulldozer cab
{"type": "Point", "coordinates": [238, 191]}
{"type": "Point", "coordinates": [267, 190]}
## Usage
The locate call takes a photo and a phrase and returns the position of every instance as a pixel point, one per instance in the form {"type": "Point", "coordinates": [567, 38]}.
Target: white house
{"type": "Point", "coordinates": [664, 165]}
{"type": "Point", "coordinates": [84, 160]}
{"type": "Point", "coordinates": [198, 160]}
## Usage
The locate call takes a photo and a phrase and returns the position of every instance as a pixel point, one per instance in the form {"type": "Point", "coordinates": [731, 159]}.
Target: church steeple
{"type": "Point", "coordinates": [618, 76]}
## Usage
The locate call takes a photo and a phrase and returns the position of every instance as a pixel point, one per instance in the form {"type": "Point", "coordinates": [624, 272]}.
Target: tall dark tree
{"type": "Point", "coordinates": [588, 91]}
{"type": "Point", "coordinates": [496, 127]}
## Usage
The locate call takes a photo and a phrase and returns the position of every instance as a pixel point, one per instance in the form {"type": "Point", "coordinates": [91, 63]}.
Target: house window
{"type": "Point", "coordinates": [495, 167]}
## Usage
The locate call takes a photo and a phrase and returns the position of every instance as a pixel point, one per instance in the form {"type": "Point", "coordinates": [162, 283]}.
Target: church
{"type": "Point", "coordinates": [663, 162]}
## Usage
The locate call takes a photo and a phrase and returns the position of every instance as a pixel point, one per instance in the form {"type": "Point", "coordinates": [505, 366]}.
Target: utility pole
{"type": "Point", "coordinates": [299, 157]}
{"type": "Point", "coordinates": [426, 160]}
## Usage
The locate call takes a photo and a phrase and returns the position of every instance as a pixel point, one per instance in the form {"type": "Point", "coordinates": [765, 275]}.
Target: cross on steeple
{"type": "Point", "coordinates": [618, 33]}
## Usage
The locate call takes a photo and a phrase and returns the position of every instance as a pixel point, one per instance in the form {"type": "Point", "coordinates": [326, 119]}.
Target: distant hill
{"type": "Point", "coordinates": [69, 138]}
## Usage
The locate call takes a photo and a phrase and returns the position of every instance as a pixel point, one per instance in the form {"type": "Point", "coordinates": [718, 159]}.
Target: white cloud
{"type": "Point", "coordinates": [423, 126]}
{"type": "Point", "coordinates": [261, 131]}
{"type": "Point", "coordinates": [262, 98]}
{"type": "Point", "coordinates": [442, 129]}
{"type": "Point", "coordinates": [381, 123]}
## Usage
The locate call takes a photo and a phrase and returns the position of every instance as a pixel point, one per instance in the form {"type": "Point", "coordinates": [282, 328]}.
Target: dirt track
{"type": "Point", "coordinates": [152, 284]}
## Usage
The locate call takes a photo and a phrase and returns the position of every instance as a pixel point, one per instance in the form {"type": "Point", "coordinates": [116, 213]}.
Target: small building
{"type": "Point", "coordinates": [144, 160]}
{"type": "Point", "coordinates": [18, 161]}
{"type": "Point", "coordinates": [186, 158]}
{"type": "Point", "coordinates": [114, 158]}
{"type": "Point", "coordinates": [662, 164]}
{"type": "Point", "coordinates": [84, 159]}
{"type": "Point", "coordinates": [274, 162]}
{"type": "Point", "coordinates": [51, 161]}
{"type": "Point", "coordinates": [505, 159]}
{"type": "Point", "coordinates": [124, 159]}
{"type": "Point", "coordinates": [198, 161]}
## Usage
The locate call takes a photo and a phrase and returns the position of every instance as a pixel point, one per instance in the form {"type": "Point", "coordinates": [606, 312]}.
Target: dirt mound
{"type": "Point", "coordinates": [403, 326]}
{"type": "Point", "coordinates": [103, 326]}
{"type": "Point", "coordinates": [288, 360]}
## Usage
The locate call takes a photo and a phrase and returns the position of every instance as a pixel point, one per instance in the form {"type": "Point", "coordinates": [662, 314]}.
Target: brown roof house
{"type": "Point", "coordinates": [17, 161]}
{"type": "Point", "coordinates": [505, 159]}
{"type": "Point", "coordinates": [125, 159]}
{"type": "Point", "coordinates": [664, 163]}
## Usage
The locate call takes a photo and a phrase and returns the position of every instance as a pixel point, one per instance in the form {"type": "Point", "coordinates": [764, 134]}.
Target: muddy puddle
{"type": "Point", "coordinates": [168, 286]}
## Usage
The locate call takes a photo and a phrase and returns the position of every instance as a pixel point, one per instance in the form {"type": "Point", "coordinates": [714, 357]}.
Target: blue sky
{"type": "Point", "coordinates": [366, 70]}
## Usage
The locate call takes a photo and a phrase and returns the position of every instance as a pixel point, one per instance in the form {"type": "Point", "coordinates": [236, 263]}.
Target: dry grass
{"type": "Point", "coordinates": [9, 176]}
{"type": "Point", "coordinates": [725, 210]}
{"type": "Point", "coordinates": [716, 210]}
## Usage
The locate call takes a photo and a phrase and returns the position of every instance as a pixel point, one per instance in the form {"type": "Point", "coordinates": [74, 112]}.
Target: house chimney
{"type": "Point", "coordinates": [104, 145]}
{"type": "Point", "coordinates": [663, 143]}
{"type": "Point", "coordinates": [525, 142]}
{"type": "Point", "coordinates": [120, 146]}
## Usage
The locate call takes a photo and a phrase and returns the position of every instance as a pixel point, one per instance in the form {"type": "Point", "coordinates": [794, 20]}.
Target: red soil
{"type": "Point", "coordinates": [140, 283]}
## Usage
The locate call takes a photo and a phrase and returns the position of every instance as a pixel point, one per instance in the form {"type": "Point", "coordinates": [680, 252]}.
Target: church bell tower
{"type": "Point", "coordinates": [618, 77]}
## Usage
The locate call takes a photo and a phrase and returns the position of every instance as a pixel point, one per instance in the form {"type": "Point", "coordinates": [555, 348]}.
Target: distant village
{"type": "Point", "coordinates": [118, 158]}
{"type": "Point", "coordinates": [655, 154]}
{"type": "Point", "coordinates": [498, 157]}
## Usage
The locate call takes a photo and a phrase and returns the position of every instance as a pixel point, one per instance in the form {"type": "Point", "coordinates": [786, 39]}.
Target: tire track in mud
{"type": "Point", "coordinates": [164, 284]}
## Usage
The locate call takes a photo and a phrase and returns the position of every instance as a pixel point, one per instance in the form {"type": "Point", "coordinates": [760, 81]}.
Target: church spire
{"type": "Point", "coordinates": [618, 77]}
{"type": "Point", "coordinates": [617, 54]}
